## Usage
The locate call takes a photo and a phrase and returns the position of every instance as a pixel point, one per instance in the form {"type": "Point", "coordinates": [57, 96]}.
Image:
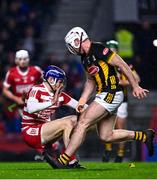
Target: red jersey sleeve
{"type": "Point", "coordinates": [8, 79]}
{"type": "Point", "coordinates": [39, 71]}
{"type": "Point", "coordinates": [66, 98]}
{"type": "Point", "coordinates": [69, 101]}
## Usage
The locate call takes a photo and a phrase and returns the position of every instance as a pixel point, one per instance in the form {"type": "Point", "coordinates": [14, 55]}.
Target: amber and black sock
{"type": "Point", "coordinates": [64, 159]}
{"type": "Point", "coordinates": [120, 151]}
{"type": "Point", "coordinates": [108, 147]}
{"type": "Point", "coordinates": [140, 136]}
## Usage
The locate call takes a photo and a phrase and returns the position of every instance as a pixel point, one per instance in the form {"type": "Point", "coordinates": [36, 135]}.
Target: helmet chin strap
{"type": "Point", "coordinates": [73, 50]}
{"type": "Point", "coordinates": [79, 52]}
{"type": "Point", "coordinates": [54, 83]}
{"type": "Point", "coordinates": [51, 85]}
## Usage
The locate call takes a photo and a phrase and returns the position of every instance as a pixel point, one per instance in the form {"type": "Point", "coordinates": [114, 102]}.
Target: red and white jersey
{"type": "Point", "coordinates": [21, 82]}
{"type": "Point", "coordinates": [38, 106]}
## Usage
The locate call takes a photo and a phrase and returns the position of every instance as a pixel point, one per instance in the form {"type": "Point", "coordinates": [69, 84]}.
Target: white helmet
{"type": "Point", "coordinates": [72, 35]}
{"type": "Point", "coordinates": [21, 54]}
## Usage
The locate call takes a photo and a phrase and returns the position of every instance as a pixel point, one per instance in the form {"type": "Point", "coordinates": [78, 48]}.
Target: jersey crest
{"type": "Point", "coordinates": [92, 70]}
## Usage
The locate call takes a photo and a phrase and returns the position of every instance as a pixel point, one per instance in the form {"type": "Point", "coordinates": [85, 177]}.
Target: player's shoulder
{"type": "Point", "coordinates": [12, 70]}
{"type": "Point", "coordinates": [98, 45]}
{"type": "Point", "coordinates": [99, 48]}
{"type": "Point", "coordinates": [64, 97]}
{"type": "Point", "coordinates": [64, 94]}
{"type": "Point", "coordinates": [38, 87]}
{"type": "Point", "coordinates": [35, 89]}
{"type": "Point", "coordinates": [35, 68]}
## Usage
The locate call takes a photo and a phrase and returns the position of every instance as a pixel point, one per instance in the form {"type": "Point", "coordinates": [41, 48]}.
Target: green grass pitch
{"type": "Point", "coordinates": [95, 170]}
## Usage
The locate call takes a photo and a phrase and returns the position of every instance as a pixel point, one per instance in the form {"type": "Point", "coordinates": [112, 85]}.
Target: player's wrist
{"type": "Point", "coordinates": [15, 98]}
{"type": "Point", "coordinates": [82, 101]}
{"type": "Point", "coordinates": [135, 86]}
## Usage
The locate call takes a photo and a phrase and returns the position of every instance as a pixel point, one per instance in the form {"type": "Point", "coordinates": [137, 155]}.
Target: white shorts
{"type": "Point", "coordinates": [110, 101]}
{"type": "Point", "coordinates": [122, 111]}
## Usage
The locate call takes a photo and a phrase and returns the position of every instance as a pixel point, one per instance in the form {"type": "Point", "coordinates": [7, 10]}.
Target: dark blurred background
{"type": "Point", "coordinates": [40, 27]}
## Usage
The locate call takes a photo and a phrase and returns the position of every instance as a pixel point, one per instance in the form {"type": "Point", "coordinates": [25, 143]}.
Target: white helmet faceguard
{"type": "Point", "coordinates": [21, 54]}
{"type": "Point", "coordinates": [72, 35]}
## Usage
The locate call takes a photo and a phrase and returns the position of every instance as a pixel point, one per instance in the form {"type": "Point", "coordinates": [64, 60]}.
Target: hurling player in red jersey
{"type": "Point", "coordinates": [21, 78]}
{"type": "Point", "coordinates": [38, 130]}
{"type": "Point", "coordinates": [18, 81]}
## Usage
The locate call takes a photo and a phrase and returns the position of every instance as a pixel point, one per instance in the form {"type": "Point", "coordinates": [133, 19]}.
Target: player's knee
{"type": "Point", "coordinates": [83, 124]}
{"type": "Point", "coordinates": [106, 137]}
{"type": "Point", "coordinates": [73, 119]}
{"type": "Point", "coordinates": [81, 127]}
{"type": "Point", "coordinates": [71, 122]}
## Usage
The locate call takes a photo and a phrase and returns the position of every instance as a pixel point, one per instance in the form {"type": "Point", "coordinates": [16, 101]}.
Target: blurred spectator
{"type": "Point", "coordinates": [29, 40]}
{"type": "Point", "coordinates": [72, 67]}
{"type": "Point", "coordinates": [14, 9]}
{"type": "Point", "coordinates": [12, 30]}
{"type": "Point", "coordinates": [75, 75]}
{"type": "Point", "coordinates": [145, 60]}
{"type": "Point", "coordinates": [125, 39]}
{"type": "Point", "coordinates": [33, 20]}
{"type": "Point", "coordinates": [21, 26]}
{"type": "Point", "coordinates": [50, 59]}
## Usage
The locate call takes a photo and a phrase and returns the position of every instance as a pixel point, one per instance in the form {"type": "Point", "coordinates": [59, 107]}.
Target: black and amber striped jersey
{"type": "Point", "coordinates": [96, 63]}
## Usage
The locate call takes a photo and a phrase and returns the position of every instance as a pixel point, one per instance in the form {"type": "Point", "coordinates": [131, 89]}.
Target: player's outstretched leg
{"type": "Point", "coordinates": [149, 133]}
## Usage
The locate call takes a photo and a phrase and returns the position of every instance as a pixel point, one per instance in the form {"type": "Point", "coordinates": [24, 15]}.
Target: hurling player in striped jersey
{"type": "Point", "coordinates": [99, 62]}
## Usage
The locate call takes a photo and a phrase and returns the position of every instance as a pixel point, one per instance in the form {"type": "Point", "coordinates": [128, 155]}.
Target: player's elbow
{"type": "Point", "coordinates": [4, 91]}
{"type": "Point", "coordinates": [29, 110]}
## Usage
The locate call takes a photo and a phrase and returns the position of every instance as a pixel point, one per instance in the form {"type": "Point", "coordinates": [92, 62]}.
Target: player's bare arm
{"type": "Point", "coordinates": [125, 82]}
{"type": "Point", "coordinates": [11, 96]}
{"type": "Point", "coordinates": [88, 89]}
{"type": "Point", "coordinates": [136, 76]}
{"type": "Point", "coordinates": [33, 105]}
{"type": "Point", "coordinates": [138, 92]}
{"type": "Point", "coordinates": [122, 81]}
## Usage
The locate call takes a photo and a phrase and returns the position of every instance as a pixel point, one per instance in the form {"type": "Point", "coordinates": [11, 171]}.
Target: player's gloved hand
{"type": "Point", "coordinates": [81, 105]}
